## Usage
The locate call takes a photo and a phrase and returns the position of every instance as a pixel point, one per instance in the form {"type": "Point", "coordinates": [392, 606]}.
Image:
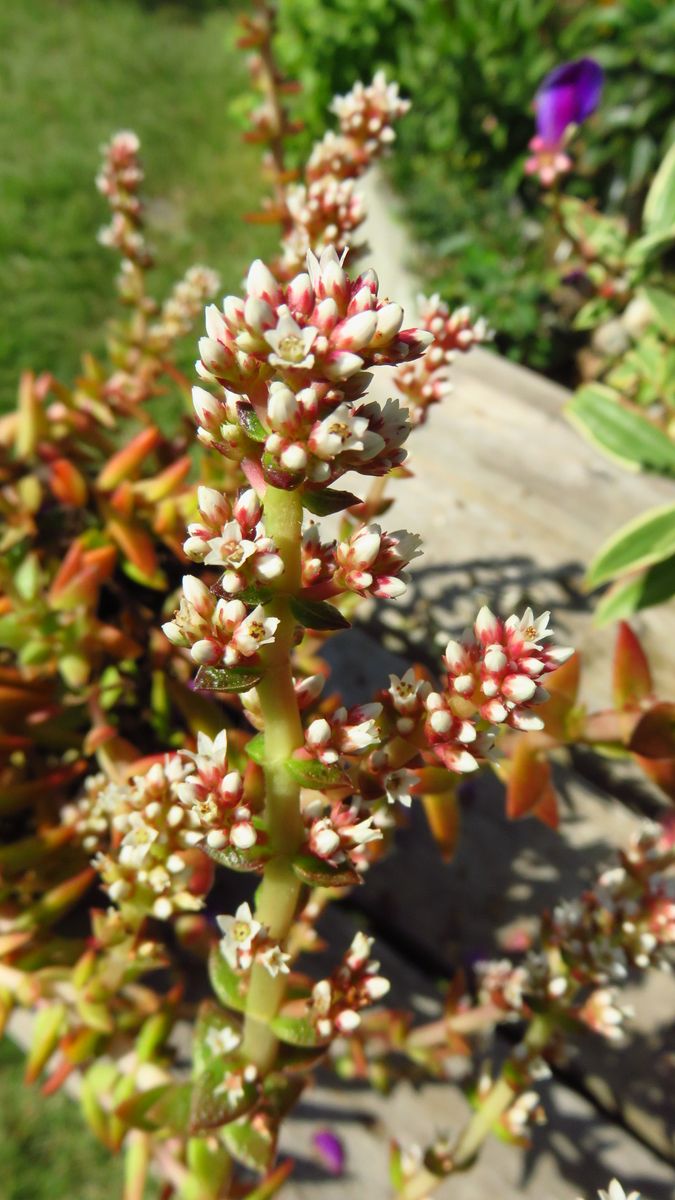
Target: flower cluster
{"type": "Point", "coordinates": [119, 181]}
{"type": "Point", "coordinates": [429, 380]}
{"type": "Point", "coordinates": [286, 348]}
{"type": "Point", "coordinates": [627, 921]}
{"type": "Point", "coordinates": [91, 815]}
{"type": "Point", "coordinates": [335, 1002]}
{"type": "Point", "coordinates": [493, 676]}
{"type": "Point", "coordinates": [182, 307]}
{"type": "Point", "coordinates": [345, 732]}
{"type": "Point", "coordinates": [216, 630]}
{"type": "Point", "coordinates": [150, 866]}
{"type": "Point", "coordinates": [365, 115]}
{"type": "Point", "coordinates": [233, 537]}
{"type": "Point", "coordinates": [325, 210]}
{"type": "Point", "coordinates": [213, 794]}
{"type": "Point", "coordinates": [338, 832]}
{"type": "Point", "coordinates": [370, 562]}
{"type": "Point", "coordinates": [373, 562]}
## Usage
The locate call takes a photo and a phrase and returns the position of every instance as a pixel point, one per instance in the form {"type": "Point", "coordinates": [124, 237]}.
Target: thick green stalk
{"type": "Point", "coordinates": [277, 896]}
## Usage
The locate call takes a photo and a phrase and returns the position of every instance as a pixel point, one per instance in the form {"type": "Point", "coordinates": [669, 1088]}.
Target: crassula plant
{"type": "Point", "coordinates": [190, 1024]}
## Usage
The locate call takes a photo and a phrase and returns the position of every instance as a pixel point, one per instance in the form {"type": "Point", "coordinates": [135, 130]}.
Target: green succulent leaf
{"type": "Point", "coordinates": [227, 679]}
{"type": "Point", "coordinates": [648, 539]}
{"type": "Point", "coordinates": [250, 422]}
{"type": "Point", "coordinates": [659, 210]}
{"type": "Point", "coordinates": [651, 587]}
{"type": "Point", "coordinates": [237, 860]}
{"type": "Point", "coordinates": [601, 417]}
{"type": "Point", "coordinates": [212, 1022]}
{"type": "Point", "coordinates": [225, 982]}
{"type": "Point", "coordinates": [317, 614]}
{"type": "Point", "coordinates": [297, 1031]}
{"type": "Point", "coordinates": [252, 1146]}
{"type": "Point", "coordinates": [324, 501]}
{"type": "Point", "coordinates": [256, 749]}
{"type": "Point", "coordinates": [663, 306]}
{"type": "Point", "coordinates": [164, 1107]}
{"type": "Point", "coordinates": [299, 1058]}
{"type": "Point", "coordinates": [318, 873]}
{"type": "Point", "coordinates": [312, 774]}
{"type": "Point", "coordinates": [215, 1101]}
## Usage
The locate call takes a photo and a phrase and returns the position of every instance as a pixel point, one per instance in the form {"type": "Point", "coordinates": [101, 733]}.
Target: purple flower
{"type": "Point", "coordinates": [567, 96]}
{"type": "Point", "coordinates": [330, 1150]}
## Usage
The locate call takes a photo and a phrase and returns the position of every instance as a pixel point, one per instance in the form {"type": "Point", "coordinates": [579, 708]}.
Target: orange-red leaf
{"type": "Point", "coordinates": [442, 813]}
{"type": "Point", "coordinates": [529, 790]}
{"type": "Point", "coordinates": [128, 461]}
{"type": "Point", "coordinates": [654, 734]}
{"type": "Point", "coordinates": [631, 680]}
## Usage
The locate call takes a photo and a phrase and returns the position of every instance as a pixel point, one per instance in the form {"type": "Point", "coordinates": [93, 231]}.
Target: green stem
{"type": "Point", "coordinates": [277, 896]}
{"type": "Point", "coordinates": [484, 1119]}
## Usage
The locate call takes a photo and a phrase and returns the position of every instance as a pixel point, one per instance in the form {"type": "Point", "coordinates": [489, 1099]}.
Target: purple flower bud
{"type": "Point", "coordinates": [567, 96]}
{"type": "Point", "coordinates": [330, 1150]}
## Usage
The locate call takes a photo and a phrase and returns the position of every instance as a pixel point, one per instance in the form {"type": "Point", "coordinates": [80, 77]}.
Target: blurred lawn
{"type": "Point", "coordinates": [45, 1151]}
{"type": "Point", "coordinates": [71, 73]}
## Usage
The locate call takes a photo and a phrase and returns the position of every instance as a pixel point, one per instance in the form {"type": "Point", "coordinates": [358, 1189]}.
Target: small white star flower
{"type": "Point", "coordinates": [616, 1192]}
{"type": "Point", "coordinates": [291, 344]}
{"type": "Point", "coordinates": [398, 786]}
{"type": "Point", "coordinates": [137, 842]}
{"type": "Point", "coordinates": [222, 1041]}
{"type": "Point", "coordinates": [275, 961]}
{"type": "Point", "coordinates": [240, 932]}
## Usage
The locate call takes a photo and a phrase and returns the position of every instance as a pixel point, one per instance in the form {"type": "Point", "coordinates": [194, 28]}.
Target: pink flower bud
{"type": "Point", "coordinates": [518, 688]}
{"type": "Point", "coordinates": [205, 653]}
{"type": "Point", "coordinates": [342, 365]}
{"type": "Point", "coordinates": [215, 322]}
{"type": "Point", "coordinates": [318, 732]}
{"type": "Point", "coordinates": [261, 282]}
{"type": "Point", "coordinates": [247, 509]}
{"type": "Point", "coordinates": [198, 595]}
{"type": "Point", "coordinates": [356, 332]}
{"type": "Point", "coordinates": [488, 627]}
{"type": "Point", "coordinates": [208, 409]}
{"type": "Point", "coordinates": [213, 506]}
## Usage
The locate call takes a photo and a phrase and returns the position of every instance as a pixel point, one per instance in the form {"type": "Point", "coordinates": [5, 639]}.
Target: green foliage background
{"type": "Point", "coordinates": [471, 70]}
{"type": "Point", "coordinates": [72, 72]}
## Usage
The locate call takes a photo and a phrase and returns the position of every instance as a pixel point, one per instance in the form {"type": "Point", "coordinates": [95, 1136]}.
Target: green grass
{"type": "Point", "coordinates": [45, 1151]}
{"type": "Point", "coordinates": [71, 73]}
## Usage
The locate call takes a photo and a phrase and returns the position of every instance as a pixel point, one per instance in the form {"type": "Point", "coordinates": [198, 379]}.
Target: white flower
{"type": "Point", "coordinates": [398, 785]}
{"type": "Point", "coordinates": [255, 631]}
{"type": "Point", "coordinates": [240, 932]}
{"type": "Point", "coordinates": [222, 1041]}
{"type": "Point", "coordinates": [405, 690]}
{"type": "Point", "coordinates": [616, 1192]}
{"type": "Point", "coordinates": [275, 961]}
{"type": "Point", "coordinates": [210, 751]}
{"type": "Point", "coordinates": [228, 549]}
{"type": "Point", "coordinates": [338, 432]}
{"type": "Point", "coordinates": [291, 344]}
{"type": "Point", "coordinates": [363, 832]}
{"type": "Point", "coordinates": [534, 629]}
{"type": "Point", "coordinates": [137, 842]}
